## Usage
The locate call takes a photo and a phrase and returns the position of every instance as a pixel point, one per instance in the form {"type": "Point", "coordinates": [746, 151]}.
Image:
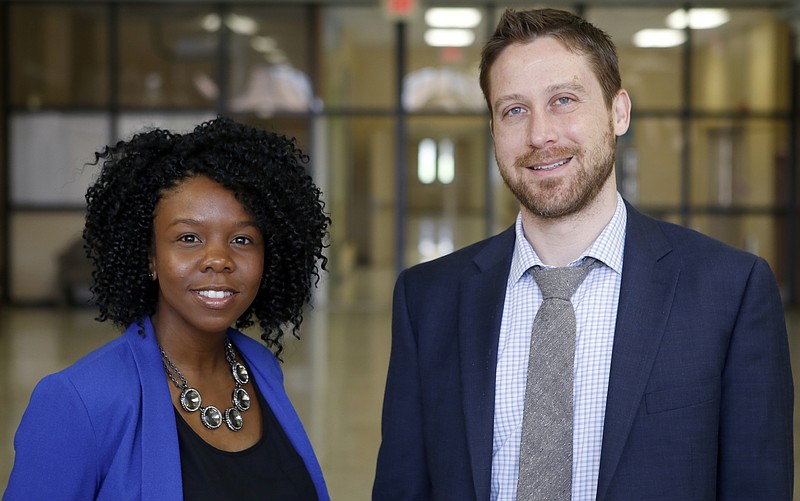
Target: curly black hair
{"type": "Point", "coordinates": [266, 173]}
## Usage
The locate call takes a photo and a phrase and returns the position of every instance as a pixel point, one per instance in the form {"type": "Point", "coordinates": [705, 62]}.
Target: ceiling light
{"type": "Point", "coordinates": [698, 19]}
{"type": "Point", "coordinates": [242, 25]}
{"type": "Point", "coordinates": [449, 37]}
{"type": "Point", "coordinates": [276, 57]}
{"type": "Point", "coordinates": [263, 44]}
{"type": "Point", "coordinates": [452, 17]}
{"type": "Point", "coordinates": [650, 38]}
{"type": "Point", "coordinates": [211, 23]}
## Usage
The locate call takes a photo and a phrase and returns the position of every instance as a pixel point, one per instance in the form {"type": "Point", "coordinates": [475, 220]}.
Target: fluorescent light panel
{"type": "Point", "coordinates": [661, 38]}
{"type": "Point", "coordinates": [452, 17]}
{"type": "Point", "coordinates": [242, 25]}
{"type": "Point", "coordinates": [698, 19]}
{"type": "Point", "coordinates": [445, 37]}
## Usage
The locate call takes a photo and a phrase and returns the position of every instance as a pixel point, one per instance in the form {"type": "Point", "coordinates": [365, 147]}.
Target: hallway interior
{"type": "Point", "coordinates": [334, 375]}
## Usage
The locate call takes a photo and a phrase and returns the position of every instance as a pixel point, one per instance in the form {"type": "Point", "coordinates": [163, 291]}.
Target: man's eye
{"type": "Point", "coordinates": [564, 100]}
{"type": "Point", "coordinates": [516, 110]}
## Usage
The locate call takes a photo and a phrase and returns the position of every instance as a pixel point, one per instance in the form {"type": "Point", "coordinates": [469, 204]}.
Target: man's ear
{"type": "Point", "coordinates": [621, 109]}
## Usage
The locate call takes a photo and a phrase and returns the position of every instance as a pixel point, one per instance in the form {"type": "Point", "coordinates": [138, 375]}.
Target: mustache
{"type": "Point", "coordinates": [544, 156]}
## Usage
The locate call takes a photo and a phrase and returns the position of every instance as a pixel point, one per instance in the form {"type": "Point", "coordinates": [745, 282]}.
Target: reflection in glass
{"type": "Point", "coordinates": [359, 155]}
{"type": "Point", "coordinates": [436, 162]}
{"type": "Point", "coordinates": [449, 211]}
{"type": "Point", "coordinates": [131, 123]}
{"type": "Point", "coordinates": [59, 55]}
{"type": "Point", "coordinates": [446, 162]}
{"type": "Point", "coordinates": [698, 19]}
{"type": "Point", "coordinates": [268, 61]}
{"type": "Point", "coordinates": [443, 89]}
{"type": "Point", "coordinates": [649, 162]}
{"type": "Point", "coordinates": [434, 239]}
{"type": "Point", "coordinates": [754, 233]}
{"type": "Point", "coordinates": [443, 63]}
{"type": "Point", "coordinates": [358, 58]}
{"type": "Point", "coordinates": [738, 163]}
{"type": "Point", "coordinates": [168, 56]}
{"type": "Point", "coordinates": [652, 76]}
{"type": "Point", "coordinates": [743, 65]}
{"type": "Point", "coordinates": [55, 175]}
{"type": "Point", "coordinates": [426, 161]}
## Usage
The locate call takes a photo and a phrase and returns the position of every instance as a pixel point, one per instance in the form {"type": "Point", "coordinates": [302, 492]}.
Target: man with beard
{"type": "Point", "coordinates": [680, 385]}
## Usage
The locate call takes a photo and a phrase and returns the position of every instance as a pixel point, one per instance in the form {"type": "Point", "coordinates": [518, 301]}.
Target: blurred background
{"type": "Point", "coordinates": [384, 97]}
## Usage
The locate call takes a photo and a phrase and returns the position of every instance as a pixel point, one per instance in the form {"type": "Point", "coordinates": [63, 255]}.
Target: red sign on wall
{"type": "Point", "coordinates": [399, 9]}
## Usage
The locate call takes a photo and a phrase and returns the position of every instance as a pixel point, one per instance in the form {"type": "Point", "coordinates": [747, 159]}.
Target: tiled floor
{"type": "Point", "coordinates": [335, 375]}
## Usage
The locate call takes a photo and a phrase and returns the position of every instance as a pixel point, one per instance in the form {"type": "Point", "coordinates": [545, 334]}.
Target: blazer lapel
{"type": "Point", "coordinates": [161, 467]}
{"type": "Point", "coordinates": [649, 279]}
{"type": "Point", "coordinates": [481, 297]}
{"type": "Point", "coordinates": [268, 376]}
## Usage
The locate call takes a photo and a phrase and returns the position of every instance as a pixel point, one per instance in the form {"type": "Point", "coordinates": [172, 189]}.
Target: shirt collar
{"type": "Point", "coordinates": [607, 248]}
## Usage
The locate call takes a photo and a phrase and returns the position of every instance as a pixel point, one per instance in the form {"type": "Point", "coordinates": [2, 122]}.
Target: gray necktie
{"type": "Point", "coordinates": [545, 454]}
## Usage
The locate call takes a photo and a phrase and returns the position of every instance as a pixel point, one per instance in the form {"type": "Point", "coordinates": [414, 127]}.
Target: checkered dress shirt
{"type": "Point", "coordinates": [595, 304]}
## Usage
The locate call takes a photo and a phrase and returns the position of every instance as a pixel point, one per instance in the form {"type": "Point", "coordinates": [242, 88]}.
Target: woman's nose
{"type": "Point", "coordinates": [217, 258]}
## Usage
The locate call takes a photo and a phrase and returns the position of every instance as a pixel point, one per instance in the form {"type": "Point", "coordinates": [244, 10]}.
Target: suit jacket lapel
{"type": "Point", "coordinates": [649, 278]}
{"type": "Point", "coordinates": [481, 297]}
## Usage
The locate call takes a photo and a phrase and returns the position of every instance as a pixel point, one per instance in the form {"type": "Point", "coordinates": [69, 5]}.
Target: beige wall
{"type": "Point", "coordinates": [744, 72]}
{"type": "Point", "coordinates": [37, 239]}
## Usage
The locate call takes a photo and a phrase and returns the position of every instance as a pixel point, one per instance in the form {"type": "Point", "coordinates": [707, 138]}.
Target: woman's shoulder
{"type": "Point", "coordinates": [112, 359]}
{"type": "Point", "coordinates": [104, 379]}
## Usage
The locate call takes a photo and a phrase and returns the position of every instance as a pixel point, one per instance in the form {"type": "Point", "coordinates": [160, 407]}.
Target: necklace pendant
{"type": "Point", "coordinates": [211, 417]}
{"type": "Point", "coordinates": [240, 374]}
{"type": "Point", "coordinates": [241, 399]}
{"type": "Point", "coordinates": [233, 418]}
{"type": "Point", "coordinates": [190, 399]}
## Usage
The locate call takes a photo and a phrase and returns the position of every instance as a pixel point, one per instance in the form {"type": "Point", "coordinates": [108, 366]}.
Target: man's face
{"type": "Point", "coordinates": [554, 135]}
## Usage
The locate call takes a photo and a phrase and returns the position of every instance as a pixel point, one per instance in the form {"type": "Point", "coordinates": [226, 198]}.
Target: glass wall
{"type": "Point", "coordinates": [59, 56]}
{"type": "Point", "coordinates": [710, 134]}
{"type": "Point", "coordinates": [391, 114]}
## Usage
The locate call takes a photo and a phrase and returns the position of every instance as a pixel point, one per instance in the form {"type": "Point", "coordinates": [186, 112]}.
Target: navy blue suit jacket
{"type": "Point", "coordinates": [700, 391]}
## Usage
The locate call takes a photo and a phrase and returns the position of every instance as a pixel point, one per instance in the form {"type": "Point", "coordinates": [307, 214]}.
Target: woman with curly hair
{"type": "Point", "coordinates": [190, 234]}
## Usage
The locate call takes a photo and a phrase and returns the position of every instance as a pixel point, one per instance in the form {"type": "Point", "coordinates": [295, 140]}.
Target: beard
{"type": "Point", "coordinates": [560, 197]}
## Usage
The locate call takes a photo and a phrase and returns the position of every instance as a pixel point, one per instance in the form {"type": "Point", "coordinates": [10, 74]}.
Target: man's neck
{"type": "Point", "coordinates": [560, 241]}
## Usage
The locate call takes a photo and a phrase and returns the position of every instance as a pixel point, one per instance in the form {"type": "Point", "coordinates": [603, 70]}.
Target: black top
{"type": "Point", "coordinates": [269, 470]}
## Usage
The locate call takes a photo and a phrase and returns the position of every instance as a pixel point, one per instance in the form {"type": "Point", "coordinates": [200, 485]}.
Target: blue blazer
{"type": "Point", "coordinates": [700, 393]}
{"type": "Point", "coordinates": [104, 428]}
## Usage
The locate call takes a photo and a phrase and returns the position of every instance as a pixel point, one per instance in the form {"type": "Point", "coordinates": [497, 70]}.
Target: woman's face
{"type": "Point", "coordinates": [208, 257]}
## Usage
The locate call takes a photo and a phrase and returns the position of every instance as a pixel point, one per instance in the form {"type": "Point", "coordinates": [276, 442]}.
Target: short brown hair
{"type": "Point", "coordinates": [577, 34]}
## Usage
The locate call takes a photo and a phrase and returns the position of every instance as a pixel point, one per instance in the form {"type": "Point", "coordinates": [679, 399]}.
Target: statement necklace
{"type": "Point", "coordinates": [191, 400]}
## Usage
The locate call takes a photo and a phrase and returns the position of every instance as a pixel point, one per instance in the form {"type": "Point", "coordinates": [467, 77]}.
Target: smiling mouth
{"type": "Point", "coordinates": [551, 166]}
{"type": "Point", "coordinates": [214, 294]}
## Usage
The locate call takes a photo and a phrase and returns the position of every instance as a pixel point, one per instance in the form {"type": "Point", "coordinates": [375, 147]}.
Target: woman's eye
{"type": "Point", "coordinates": [189, 239]}
{"type": "Point", "coordinates": [241, 240]}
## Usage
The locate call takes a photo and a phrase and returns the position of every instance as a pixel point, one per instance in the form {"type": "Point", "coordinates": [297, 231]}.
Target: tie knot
{"type": "Point", "coordinates": [562, 282]}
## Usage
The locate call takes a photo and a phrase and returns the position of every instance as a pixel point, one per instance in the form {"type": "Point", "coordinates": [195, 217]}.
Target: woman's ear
{"type": "Point", "coordinates": [151, 268]}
